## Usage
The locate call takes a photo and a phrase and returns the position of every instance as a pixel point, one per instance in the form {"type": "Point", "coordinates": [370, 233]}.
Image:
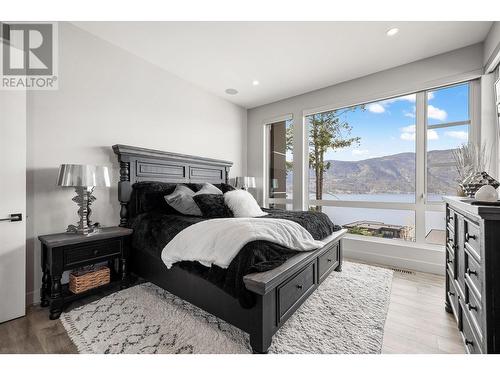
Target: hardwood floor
{"type": "Point", "coordinates": [416, 323]}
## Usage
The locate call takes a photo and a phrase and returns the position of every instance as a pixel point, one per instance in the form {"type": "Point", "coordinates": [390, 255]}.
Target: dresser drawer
{"type": "Point", "coordinates": [328, 261]}
{"type": "Point", "coordinates": [295, 290]}
{"type": "Point", "coordinates": [91, 251]}
{"type": "Point", "coordinates": [474, 310]}
{"type": "Point", "coordinates": [450, 218]}
{"type": "Point", "coordinates": [472, 345]}
{"type": "Point", "coordinates": [473, 275]}
{"type": "Point", "coordinates": [453, 295]}
{"type": "Point", "coordinates": [472, 238]}
{"type": "Point", "coordinates": [450, 262]}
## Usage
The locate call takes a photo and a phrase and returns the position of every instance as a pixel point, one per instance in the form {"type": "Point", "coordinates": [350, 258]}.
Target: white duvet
{"type": "Point", "coordinates": [218, 241]}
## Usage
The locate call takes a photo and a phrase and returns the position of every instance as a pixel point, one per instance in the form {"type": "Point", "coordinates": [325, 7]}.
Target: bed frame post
{"type": "Point", "coordinates": [124, 191]}
{"type": "Point", "coordinates": [263, 327]}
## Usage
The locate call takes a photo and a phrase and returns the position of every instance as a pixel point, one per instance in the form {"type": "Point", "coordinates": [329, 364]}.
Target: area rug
{"type": "Point", "coordinates": [346, 314]}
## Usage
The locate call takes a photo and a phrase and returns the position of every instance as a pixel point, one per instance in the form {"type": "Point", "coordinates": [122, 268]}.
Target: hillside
{"type": "Point", "coordinates": [393, 174]}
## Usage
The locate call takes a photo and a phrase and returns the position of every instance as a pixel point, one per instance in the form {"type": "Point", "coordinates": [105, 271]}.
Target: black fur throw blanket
{"type": "Point", "coordinates": [152, 231]}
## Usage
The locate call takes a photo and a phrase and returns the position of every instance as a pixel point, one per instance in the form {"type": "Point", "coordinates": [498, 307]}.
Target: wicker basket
{"type": "Point", "coordinates": [80, 281]}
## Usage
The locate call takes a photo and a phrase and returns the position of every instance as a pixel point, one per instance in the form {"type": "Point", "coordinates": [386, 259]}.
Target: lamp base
{"type": "Point", "coordinates": [84, 199]}
{"type": "Point", "coordinates": [93, 229]}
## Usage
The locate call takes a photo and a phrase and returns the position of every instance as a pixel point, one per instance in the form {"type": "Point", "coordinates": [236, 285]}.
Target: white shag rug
{"type": "Point", "coordinates": [346, 314]}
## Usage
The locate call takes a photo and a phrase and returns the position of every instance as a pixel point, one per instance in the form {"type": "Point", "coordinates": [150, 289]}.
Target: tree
{"type": "Point", "coordinates": [327, 130]}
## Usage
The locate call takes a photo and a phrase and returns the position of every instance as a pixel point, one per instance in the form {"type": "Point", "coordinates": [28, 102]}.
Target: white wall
{"type": "Point", "coordinates": [108, 96]}
{"type": "Point", "coordinates": [492, 46]}
{"type": "Point", "coordinates": [489, 119]}
{"type": "Point", "coordinates": [454, 66]}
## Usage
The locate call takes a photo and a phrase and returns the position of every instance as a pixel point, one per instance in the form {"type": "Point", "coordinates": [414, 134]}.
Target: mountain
{"type": "Point", "coordinates": [394, 174]}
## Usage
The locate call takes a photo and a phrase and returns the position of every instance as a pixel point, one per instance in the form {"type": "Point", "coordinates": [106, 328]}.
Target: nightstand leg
{"type": "Point", "coordinates": [45, 289]}
{"type": "Point", "coordinates": [56, 300]}
{"type": "Point", "coordinates": [124, 273]}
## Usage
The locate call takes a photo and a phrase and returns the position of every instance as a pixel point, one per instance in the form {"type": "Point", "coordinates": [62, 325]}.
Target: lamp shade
{"type": "Point", "coordinates": [245, 182]}
{"type": "Point", "coordinates": [83, 175]}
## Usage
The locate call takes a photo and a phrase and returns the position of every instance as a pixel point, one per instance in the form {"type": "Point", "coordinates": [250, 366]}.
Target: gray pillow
{"type": "Point", "coordinates": [182, 201]}
{"type": "Point", "coordinates": [208, 189]}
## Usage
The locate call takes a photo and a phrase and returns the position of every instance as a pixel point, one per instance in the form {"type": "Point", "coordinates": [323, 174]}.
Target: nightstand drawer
{"type": "Point", "coordinates": [91, 252]}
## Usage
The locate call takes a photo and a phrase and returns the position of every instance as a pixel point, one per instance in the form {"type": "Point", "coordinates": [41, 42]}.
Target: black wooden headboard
{"type": "Point", "coordinates": [142, 164]}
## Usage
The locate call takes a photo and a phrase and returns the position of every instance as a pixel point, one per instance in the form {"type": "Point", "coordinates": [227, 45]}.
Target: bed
{"type": "Point", "coordinates": [275, 293]}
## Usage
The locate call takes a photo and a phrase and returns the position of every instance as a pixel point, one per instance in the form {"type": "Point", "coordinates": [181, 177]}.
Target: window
{"type": "Point", "coordinates": [381, 168]}
{"type": "Point", "coordinates": [448, 123]}
{"type": "Point", "coordinates": [364, 153]}
{"type": "Point", "coordinates": [280, 160]}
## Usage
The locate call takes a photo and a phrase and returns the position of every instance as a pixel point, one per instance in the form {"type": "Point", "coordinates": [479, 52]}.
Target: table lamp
{"type": "Point", "coordinates": [245, 182]}
{"type": "Point", "coordinates": [84, 178]}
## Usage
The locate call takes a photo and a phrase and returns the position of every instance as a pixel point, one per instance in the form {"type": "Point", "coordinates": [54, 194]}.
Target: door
{"type": "Point", "coordinates": [12, 201]}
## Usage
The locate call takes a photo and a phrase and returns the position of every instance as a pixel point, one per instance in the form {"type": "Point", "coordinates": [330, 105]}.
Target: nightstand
{"type": "Point", "coordinates": [66, 251]}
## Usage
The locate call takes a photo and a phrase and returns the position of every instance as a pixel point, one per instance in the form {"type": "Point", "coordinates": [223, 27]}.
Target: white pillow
{"type": "Point", "coordinates": [243, 204]}
{"type": "Point", "coordinates": [208, 189]}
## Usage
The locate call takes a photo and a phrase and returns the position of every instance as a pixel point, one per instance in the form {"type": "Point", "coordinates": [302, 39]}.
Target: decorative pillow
{"type": "Point", "coordinates": [242, 204]}
{"type": "Point", "coordinates": [225, 187]}
{"type": "Point", "coordinates": [212, 205]}
{"type": "Point", "coordinates": [149, 197]}
{"type": "Point", "coordinates": [182, 201]}
{"type": "Point", "coordinates": [208, 189]}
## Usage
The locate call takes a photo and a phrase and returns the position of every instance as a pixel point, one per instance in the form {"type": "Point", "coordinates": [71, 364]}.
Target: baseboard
{"type": "Point", "coordinates": [33, 298]}
{"type": "Point", "coordinates": [395, 255]}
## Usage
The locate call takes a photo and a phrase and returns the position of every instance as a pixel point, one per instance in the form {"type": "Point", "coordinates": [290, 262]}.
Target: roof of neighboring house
{"type": "Point", "coordinates": [374, 225]}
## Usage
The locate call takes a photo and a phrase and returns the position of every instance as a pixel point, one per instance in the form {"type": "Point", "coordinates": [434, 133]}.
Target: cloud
{"type": "Point", "coordinates": [408, 134]}
{"type": "Point", "coordinates": [357, 152]}
{"type": "Point", "coordinates": [462, 135]}
{"type": "Point", "coordinates": [430, 95]}
{"type": "Point", "coordinates": [432, 135]}
{"type": "Point", "coordinates": [412, 98]}
{"type": "Point", "coordinates": [380, 107]}
{"type": "Point", "coordinates": [409, 129]}
{"type": "Point", "coordinates": [410, 114]}
{"type": "Point", "coordinates": [436, 113]}
{"type": "Point", "coordinates": [376, 108]}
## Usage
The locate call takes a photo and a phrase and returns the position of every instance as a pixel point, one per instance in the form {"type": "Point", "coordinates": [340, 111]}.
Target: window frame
{"type": "Point", "coordinates": [266, 199]}
{"type": "Point", "coordinates": [421, 205]}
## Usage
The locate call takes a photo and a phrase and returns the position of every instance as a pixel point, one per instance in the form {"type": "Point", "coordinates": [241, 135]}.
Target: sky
{"type": "Point", "coordinates": [388, 127]}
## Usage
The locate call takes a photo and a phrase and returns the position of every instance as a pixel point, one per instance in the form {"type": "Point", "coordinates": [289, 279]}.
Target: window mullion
{"type": "Point", "coordinates": [420, 175]}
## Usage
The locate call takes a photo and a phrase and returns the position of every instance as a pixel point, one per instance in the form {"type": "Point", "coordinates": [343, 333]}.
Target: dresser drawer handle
{"type": "Point", "coordinates": [96, 252]}
{"type": "Point", "coordinates": [450, 261]}
{"type": "Point", "coordinates": [451, 294]}
{"type": "Point", "coordinates": [299, 287]}
{"type": "Point", "coordinates": [469, 342]}
{"type": "Point", "coordinates": [470, 272]}
{"type": "Point", "coordinates": [329, 260]}
{"type": "Point", "coordinates": [470, 236]}
{"type": "Point", "coordinates": [471, 307]}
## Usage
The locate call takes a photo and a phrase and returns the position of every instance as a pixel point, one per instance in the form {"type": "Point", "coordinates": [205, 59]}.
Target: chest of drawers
{"type": "Point", "coordinates": [473, 272]}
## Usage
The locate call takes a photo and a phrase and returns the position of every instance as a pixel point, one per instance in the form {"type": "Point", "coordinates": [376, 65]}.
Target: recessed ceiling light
{"type": "Point", "coordinates": [393, 31]}
{"type": "Point", "coordinates": [231, 91]}
{"type": "Point", "coordinates": [255, 82]}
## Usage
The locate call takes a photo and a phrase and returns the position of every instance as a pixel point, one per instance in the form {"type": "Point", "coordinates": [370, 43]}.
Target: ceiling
{"type": "Point", "coordinates": [287, 58]}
